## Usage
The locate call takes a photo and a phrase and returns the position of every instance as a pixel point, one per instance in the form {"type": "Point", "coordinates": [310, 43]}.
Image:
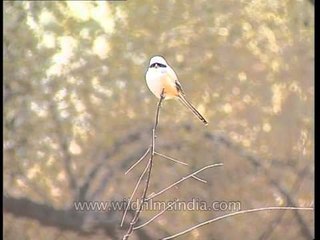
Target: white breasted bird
{"type": "Point", "coordinates": [161, 77]}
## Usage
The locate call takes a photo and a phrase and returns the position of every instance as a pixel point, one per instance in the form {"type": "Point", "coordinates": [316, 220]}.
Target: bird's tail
{"type": "Point", "coordinates": [192, 108]}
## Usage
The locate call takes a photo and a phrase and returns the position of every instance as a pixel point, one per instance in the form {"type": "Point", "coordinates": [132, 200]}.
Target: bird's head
{"type": "Point", "coordinates": [157, 61]}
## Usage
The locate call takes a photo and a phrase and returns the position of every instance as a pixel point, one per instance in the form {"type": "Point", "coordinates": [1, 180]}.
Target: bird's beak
{"type": "Point", "coordinates": [156, 65]}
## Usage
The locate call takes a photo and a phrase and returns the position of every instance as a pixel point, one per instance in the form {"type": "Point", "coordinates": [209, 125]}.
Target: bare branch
{"type": "Point", "coordinates": [199, 179]}
{"type": "Point", "coordinates": [183, 163]}
{"type": "Point", "coordinates": [183, 179]}
{"type": "Point", "coordinates": [170, 158]}
{"type": "Point", "coordinates": [137, 162]}
{"type": "Point", "coordinates": [149, 167]}
{"type": "Point", "coordinates": [234, 214]}
{"type": "Point", "coordinates": [133, 192]}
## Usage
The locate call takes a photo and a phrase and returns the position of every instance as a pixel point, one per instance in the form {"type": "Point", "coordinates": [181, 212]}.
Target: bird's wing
{"type": "Point", "coordinates": [179, 87]}
{"type": "Point", "coordinates": [174, 78]}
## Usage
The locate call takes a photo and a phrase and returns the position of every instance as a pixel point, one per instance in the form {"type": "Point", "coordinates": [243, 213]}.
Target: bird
{"type": "Point", "coordinates": [162, 81]}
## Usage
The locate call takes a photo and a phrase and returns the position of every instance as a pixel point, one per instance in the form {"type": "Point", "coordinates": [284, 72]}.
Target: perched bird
{"type": "Point", "coordinates": [161, 77]}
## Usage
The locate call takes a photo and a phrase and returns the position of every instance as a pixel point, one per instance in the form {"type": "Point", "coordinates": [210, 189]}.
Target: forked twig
{"type": "Point", "coordinates": [233, 214]}
{"type": "Point", "coordinates": [137, 162]}
{"type": "Point", "coordinates": [199, 179]}
{"type": "Point", "coordinates": [182, 179]}
{"type": "Point", "coordinates": [182, 163]}
{"type": "Point", "coordinates": [170, 158]}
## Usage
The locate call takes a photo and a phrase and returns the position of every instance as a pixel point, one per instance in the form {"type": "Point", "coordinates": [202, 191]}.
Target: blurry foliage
{"type": "Point", "coordinates": [74, 85]}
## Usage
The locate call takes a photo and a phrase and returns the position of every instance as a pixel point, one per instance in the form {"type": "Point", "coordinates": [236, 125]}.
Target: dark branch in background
{"type": "Point", "coordinates": [303, 225]}
{"type": "Point", "coordinates": [97, 167]}
{"type": "Point", "coordinates": [63, 143]}
{"type": "Point", "coordinates": [150, 163]}
{"type": "Point", "coordinates": [80, 190]}
{"type": "Point", "coordinates": [95, 193]}
{"type": "Point", "coordinates": [46, 215]}
{"type": "Point", "coordinates": [65, 219]}
{"type": "Point", "coordinates": [272, 226]}
{"type": "Point", "coordinates": [258, 163]}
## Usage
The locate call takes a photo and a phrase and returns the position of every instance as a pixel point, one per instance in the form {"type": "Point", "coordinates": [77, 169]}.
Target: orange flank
{"type": "Point", "coordinates": [169, 87]}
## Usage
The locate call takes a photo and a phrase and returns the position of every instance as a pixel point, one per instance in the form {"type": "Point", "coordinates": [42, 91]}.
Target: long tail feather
{"type": "Point", "coordinates": [192, 108]}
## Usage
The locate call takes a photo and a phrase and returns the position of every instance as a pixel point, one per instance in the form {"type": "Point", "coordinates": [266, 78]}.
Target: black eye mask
{"type": "Point", "coordinates": [158, 64]}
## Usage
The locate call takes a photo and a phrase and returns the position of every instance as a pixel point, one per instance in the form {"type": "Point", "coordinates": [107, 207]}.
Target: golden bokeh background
{"type": "Point", "coordinates": [77, 114]}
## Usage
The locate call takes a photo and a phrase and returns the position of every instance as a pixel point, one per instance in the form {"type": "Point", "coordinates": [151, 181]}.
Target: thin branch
{"type": "Point", "coordinates": [144, 194]}
{"type": "Point", "coordinates": [199, 179]}
{"type": "Point", "coordinates": [133, 193]}
{"type": "Point", "coordinates": [137, 162]}
{"type": "Point", "coordinates": [234, 214]}
{"type": "Point", "coordinates": [170, 158]}
{"type": "Point", "coordinates": [183, 179]}
{"type": "Point", "coordinates": [156, 216]}
{"type": "Point", "coordinates": [183, 163]}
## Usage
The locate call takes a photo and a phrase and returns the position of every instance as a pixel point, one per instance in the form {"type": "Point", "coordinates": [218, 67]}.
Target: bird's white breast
{"type": "Point", "coordinates": [154, 79]}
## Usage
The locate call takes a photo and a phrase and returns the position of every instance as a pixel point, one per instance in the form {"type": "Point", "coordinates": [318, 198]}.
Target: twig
{"type": "Point", "coordinates": [137, 162]}
{"type": "Point", "coordinates": [133, 192]}
{"type": "Point", "coordinates": [144, 194]}
{"type": "Point", "coordinates": [183, 163]}
{"type": "Point", "coordinates": [199, 179]}
{"type": "Point", "coordinates": [183, 179]}
{"type": "Point", "coordinates": [170, 158]}
{"type": "Point", "coordinates": [233, 214]}
{"type": "Point", "coordinates": [156, 216]}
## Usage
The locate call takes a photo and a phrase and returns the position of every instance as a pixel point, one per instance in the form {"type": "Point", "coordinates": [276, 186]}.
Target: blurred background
{"type": "Point", "coordinates": [78, 114]}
